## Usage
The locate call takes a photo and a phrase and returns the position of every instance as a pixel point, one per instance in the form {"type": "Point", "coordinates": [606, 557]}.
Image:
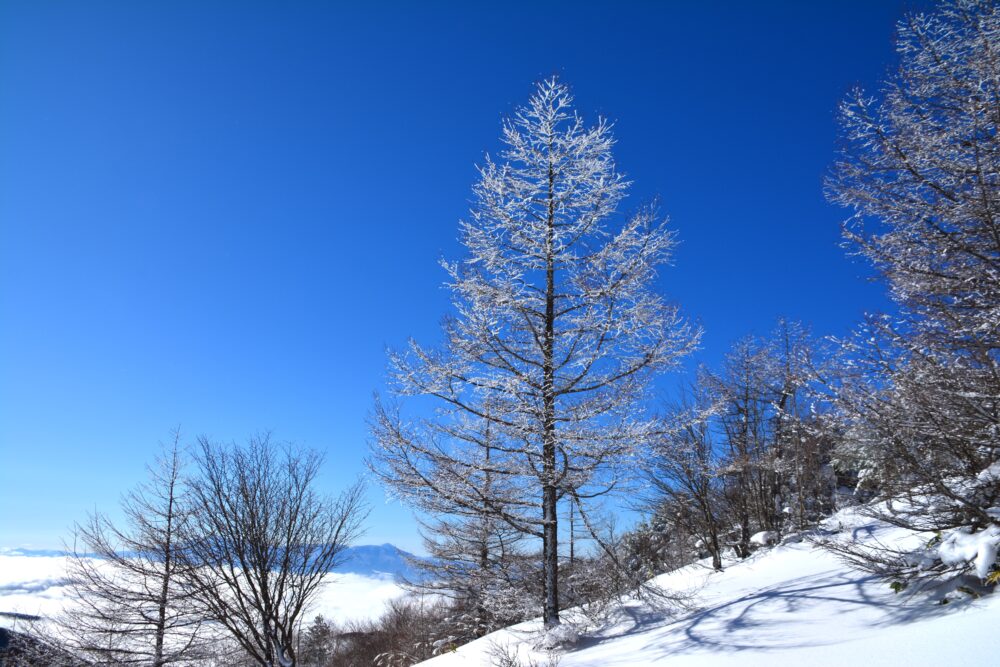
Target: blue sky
{"type": "Point", "coordinates": [218, 214]}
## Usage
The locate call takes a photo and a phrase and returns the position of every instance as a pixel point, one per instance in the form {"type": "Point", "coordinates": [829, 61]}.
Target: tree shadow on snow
{"type": "Point", "coordinates": [806, 612]}
{"type": "Point", "coordinates": [788, 615]}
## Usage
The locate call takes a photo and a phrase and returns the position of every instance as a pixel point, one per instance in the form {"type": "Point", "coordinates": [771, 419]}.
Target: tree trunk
{"type": "Point", "coordinates": [743, 548]}
{"type": "Point", "coordinates": [550, 520]}
{"type": "Point", "coordinates": [161, 612]}
{"type": "Point", "coordinates": [716, 552]}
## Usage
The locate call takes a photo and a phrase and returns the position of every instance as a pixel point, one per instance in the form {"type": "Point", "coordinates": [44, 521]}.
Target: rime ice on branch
{"type": "Point", "coordinates": [555, 336]}
{"type": "Point", "coordinates": [920, 400]}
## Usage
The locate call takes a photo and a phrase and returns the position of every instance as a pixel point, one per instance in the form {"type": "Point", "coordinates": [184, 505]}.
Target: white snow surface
{"type": "Point", "coordinates": [963, 546]}
{"type": "Point", "coordinates": [990, 474]}
{"type": "Point", "coordinates": [35, 585]}
{"type": "Point", "coordinates": [764, 538]}
{"type": "Point", "coordinates": [793, 604]}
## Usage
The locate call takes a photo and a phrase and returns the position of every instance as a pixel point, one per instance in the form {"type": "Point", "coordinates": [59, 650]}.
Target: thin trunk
{"type": "Point", "coordinates": [550, 540]}
{"type": "Point", "coordinates": [484, 550]}
{"type": "Point", "coordinates": [161, 612]}
{"type": "Point", "coordinates": [746, 486]}
{"type": "Point", "coordinates": [572, 536]}
{"type": "Point", "coordinates": [712, 527]}
{"type": "Point", "coordinates": [800, 495]}
{"type": "Point", "coordinates": [716, 551]}
{"type": "Point", "coordinates": [743, 548]}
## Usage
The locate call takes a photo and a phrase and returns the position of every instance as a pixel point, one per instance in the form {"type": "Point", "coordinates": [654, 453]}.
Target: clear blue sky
{"type": "Point", "coordinates": [218, 214]}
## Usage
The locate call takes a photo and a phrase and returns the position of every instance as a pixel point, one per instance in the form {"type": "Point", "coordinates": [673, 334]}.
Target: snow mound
{"type": "Point", "coordinates": [793, 604]}
{"type": "Point", "coordinates": [963, 546]}
{"type": "Point", "coordinates": [990, 474]}
{"type": "Point", "coordinates": [563, 636]}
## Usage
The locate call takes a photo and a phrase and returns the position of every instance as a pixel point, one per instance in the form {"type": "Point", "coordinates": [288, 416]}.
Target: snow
{"type": "Point", "coordinates": [793, 604]}
{"type": "Point", "coordinates": [787, 605]}
{"type": "Point", "coordinates": [558, 637]}
{"type": "Point", "coordinates": [963, 546]}
{"type": "Point", "coordinates": [35, 585]}
{"type": "Point", "coordinates": [990, 474]}
{"type": "Point", "coordinates": [764, 538]}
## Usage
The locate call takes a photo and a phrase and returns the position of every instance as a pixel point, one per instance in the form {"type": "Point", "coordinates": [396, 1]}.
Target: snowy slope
{"type": "Point", "coordinates": [791, 605]}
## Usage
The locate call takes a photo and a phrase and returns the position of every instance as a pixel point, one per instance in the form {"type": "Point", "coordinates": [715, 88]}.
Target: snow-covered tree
{"type": "Point", "coordinates": [476, 560]}
{"type": "Point", "coordinates": [805, 478]}
{"type": "Point", "coordinates": [555, 335]}
{"type": "Point", "coordinates": [921, 169]}
{"type": "Point", "coordinates": [744, 451]}
{"type": "Point", "coordinates": [743, 395]}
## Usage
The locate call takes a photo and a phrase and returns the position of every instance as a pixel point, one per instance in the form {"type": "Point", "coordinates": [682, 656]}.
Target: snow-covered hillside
{"type": "Point", "coordinates": [794, 604]}
{"type": "Point", "coordinates": [33, 583]}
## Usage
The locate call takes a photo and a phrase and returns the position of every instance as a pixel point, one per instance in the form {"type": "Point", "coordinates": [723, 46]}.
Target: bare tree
{"type": "Point", "coordinates": [921, 169]}
{"type": "Point", "coordinates": [261, 540]}
{"type": "Point", "coordinates": [743, 398]}
{"type": "Point", "coordinates": [684, 470]}
{"type": "Point", "coordinates": [555, 337]}
{"type": "Point", "coordinates": [805, 481]}
{"type": "Point", "coordinates": [477, 564]}
{"type": "Point", "coordinates": [744, 450]}
{"type": "Point", "coordinates": [129, 581]}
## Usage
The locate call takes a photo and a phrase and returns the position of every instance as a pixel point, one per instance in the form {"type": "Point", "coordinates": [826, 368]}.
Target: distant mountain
{"type": "Point", "coordinates": [17, 551]}
{"type": "Point", "coordinates": [383, 560]}
{"type": "Point", "coordinates": [370, 560]}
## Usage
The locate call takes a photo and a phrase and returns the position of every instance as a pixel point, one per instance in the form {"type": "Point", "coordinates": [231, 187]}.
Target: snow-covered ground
{"type": "Point", "coordinates": [34, 585]}
{"type": "Point", "coordinates": [793, 604]}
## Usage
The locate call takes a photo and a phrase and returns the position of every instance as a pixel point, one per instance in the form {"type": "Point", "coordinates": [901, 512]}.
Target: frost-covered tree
{"type": "Point", "coordinates": [476, 559]}
{"type": "Point", "coordinates": [921, 169]}
{"type": "Point", "coordinates": [805, 477]}
{"type": "Point", "coordinates": [744, 450]}
{"type": "Point", "coordinates": [742, 394]}
{"type": "Point", "coordinates": [133, 604]}
{"type": "Point", "coordinates": [478, 565]}
{"type": "Point", "coordinates": [555, 335]}
{"type": "Point", "coordinates": [317, 643]}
